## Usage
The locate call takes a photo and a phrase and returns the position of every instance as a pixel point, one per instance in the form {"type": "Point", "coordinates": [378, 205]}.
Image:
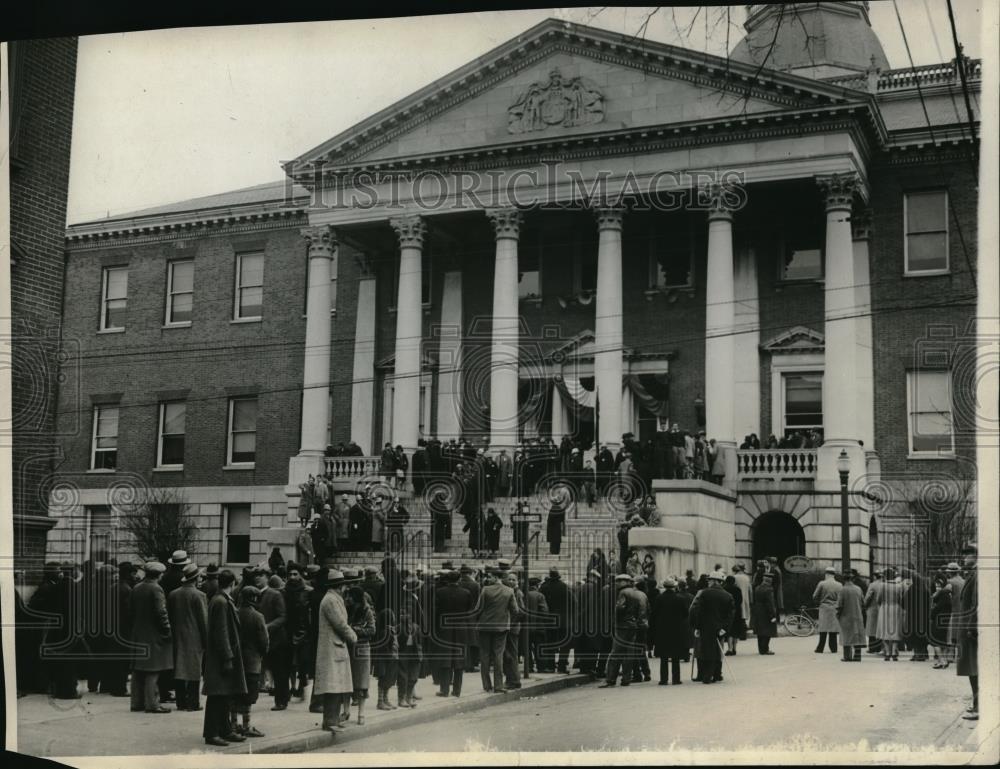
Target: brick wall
{"type": "Point", "coordinates": [43, 92]}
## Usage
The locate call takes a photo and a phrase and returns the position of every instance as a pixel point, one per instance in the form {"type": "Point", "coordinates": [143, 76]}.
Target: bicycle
{"type": "Point", "coordinates": [803, 623]}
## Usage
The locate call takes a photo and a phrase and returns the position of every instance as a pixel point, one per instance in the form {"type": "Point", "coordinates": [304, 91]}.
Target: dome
{"type": "Point", "coordinates": [816, 40]}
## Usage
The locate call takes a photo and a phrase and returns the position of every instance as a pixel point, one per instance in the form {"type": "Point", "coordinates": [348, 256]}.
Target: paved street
{"type": "Point", "coordinates": [793, 700]}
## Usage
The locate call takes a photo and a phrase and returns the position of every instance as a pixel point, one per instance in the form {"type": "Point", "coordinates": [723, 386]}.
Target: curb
{"type": "Point", "coordinates": [312, 739]}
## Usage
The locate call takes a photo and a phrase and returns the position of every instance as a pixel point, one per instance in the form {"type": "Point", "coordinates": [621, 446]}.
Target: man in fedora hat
{"type": "Point", "coordinates": [957, 583]}
{"type": "Point", "coordinates": [175, 571]}
{"type": "Point", "coordinates": [711, 615]}
{"type": "Point", "coordinates": [965, 624]}
{"type": "Point", "coordinates": [187, 608]}
{"type": "Point", "coordinates": [628, 617]}
{"type": "Point", "coordinates": [225, 679]}
{"type": "Point", "coordinates": [494, 611]}
{"type": "Point", "coordinates": [333, 681]}
{"type": "Point", "coordinates": [826, 595]}
{"type": "Point", "coordinates": [151, 632]}
{"type": "Point", "coordinates": [559, 640]}
{"type": "Point", "coordinates": [211, 583]}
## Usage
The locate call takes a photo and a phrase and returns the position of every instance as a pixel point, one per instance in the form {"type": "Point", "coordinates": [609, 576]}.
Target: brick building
{"type": "Point", "coordinates": [382, 293]}
{"type": "Point", "coordinates": [42, 78]}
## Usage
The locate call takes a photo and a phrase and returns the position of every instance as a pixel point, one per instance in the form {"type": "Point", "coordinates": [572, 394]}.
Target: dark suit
{"type": "Point", "coordinates": [451, 616]}
{"type": "Point", "coordinates": [671, 633]}
{"type": "Point", "coordinates": [224, 676]}
{"type": "Point", "coordinates": [711, 612]}
{"type": "Point", "coordinates": [494, 611]}
{"type": "Point", "coordinates": [151, 631]}
{"type": "Point", "coordinates": [559, 640]}
{"type": "Point", "coordinates": [278, 658]}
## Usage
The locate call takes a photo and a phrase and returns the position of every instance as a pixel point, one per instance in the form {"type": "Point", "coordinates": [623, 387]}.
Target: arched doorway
{"type": "Point", "coordinates": [778, 534]}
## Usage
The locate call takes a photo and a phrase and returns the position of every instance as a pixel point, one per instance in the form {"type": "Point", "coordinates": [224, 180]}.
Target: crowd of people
{"type": "Point", "coordinates": [179, 631]}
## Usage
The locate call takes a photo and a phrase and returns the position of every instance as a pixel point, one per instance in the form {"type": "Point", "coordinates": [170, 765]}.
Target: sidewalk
{"type": "Point", "coordinates": [98, 724]}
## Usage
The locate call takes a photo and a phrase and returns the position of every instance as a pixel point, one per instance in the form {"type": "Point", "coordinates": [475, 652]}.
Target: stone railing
{"type": "Point", "coordinates": [776, 464]}
{"type": "Point", "coordinates": [351, 468]}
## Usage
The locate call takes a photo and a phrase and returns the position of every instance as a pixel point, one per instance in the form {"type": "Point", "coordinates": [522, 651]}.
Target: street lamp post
{"type": "Point", "coordinates": [844, 468]}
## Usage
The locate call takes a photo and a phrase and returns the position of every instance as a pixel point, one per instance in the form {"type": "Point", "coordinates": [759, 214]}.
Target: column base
{"type": "Point", "coordinates": [727, 456]}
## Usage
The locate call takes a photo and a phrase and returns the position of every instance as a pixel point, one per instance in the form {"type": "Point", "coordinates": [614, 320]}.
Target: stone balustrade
{"type": "Point", "coordinates": [351, 468]}
{"type": "Point", "coordinates": [776, 464]}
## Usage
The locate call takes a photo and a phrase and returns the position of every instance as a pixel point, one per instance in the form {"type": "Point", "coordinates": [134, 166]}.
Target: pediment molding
{"type": "Point", "coordinates": [552, 36]}
{"type": "Point", "coordinates": [798, 340]}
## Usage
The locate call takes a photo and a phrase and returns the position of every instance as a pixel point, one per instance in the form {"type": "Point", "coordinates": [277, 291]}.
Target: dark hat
{"type": "Point", "coordinates": [554, 573]}
{"type": "Point", "coordinates": [534, 581]}
{"type": "Point", "coordinates": [212, 570]}
{"type": "Point", "coordinates": [249, 593]}
{"type": "Point", "coordinates": [125, 568]}
{"type": "Point", "coordinates": [276, 582]}
{"type": "Point", "coordinates": [970, 548]}
{"type": "Point", "coordinates": [448, 565]}
{"type": "Point", "coordinates": [465, 569]}
{"type": "Point", "coordinates": [190, 573]}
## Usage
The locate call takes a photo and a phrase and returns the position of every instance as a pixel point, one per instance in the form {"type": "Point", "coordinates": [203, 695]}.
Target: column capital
{"type": "Point", "coordinates": [322, 240]}
{"type": "Point", "coordinates": [410, 230]}
{"type": "Point", "coordinates": [610, 217]}
{"type": "Point", "coordinates": [861, 224]}
{"type": "Point", "coordinates": [506, 222]}
{"type": "Point", "coordinates": [839, 189]}
{"type": "Point", "coordinates": [719, 200]}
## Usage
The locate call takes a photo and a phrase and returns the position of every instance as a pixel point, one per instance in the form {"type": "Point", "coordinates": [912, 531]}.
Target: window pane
{"type": "Point", "coordinates": [930, 391]}
{"type": "Point", "coordinates": [107, 421]}
{"type": "Point", "coordinates": [251, 302]}
{"type": "Point", "coordinates": [180, 308]}
{"type": "Point", "coordinates": [673, 266]}
{"type": "Point", "coordinates": [107, 443]}
{"type": "Point", "coordinates": [932, 432]}
{"type": "Point", "coordinates": [251, 270]}
{"type": "Point", "coordinates": [925, 211]}
{"type": "Point", "coordinates": [238, 519]}
{"type": "Point", "coordinates": [928, 251]}
{"type": "Point", "coordinates": [244, 415]}
{"type": "Point", "coordinates": [238, 549]}
{"type": "Point", "coordinates": [803, 264]}
{"type": "Point", "coordinates": [114, 316]}
{"type": "Point", "coordinates": [173, 417]}
{"type": "Point", "coordinates": [183, 277]}
{"type": "Point", "coordinates": [803, 393]}
{"type": "Point", "coordinates": [173, 450]}
{"type": "Point", "coordinates": [105, 460]}
{"type": "Point", "coordinates": [244, 443]}
{"type": "Point", "coordinates": [117, 284]}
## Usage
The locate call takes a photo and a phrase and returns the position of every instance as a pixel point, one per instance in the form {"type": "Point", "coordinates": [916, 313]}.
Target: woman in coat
{"type": "Point", "coordinates": [493, 526]}
{"type": "Point", "coordinates": [738, 629]}
{"type": "Point", "coordinates": [890, 615]}
{"type": "Point", "coordinates": [253, 644]}
{"type": "Point", "coordinates": [941, 603]}
{"type": "Point", "coordinates": [333, 680]}
{"type": "Point", "coordinates": [224, 677]}
{"type": "Point", "coordinates": [764, 614]}
{"type": "Point", "coordinates": [670, 631]}
{"type": "Point", "coordinates": [362, 619]}
{"type": "Point", "coordinates": [916, 614]}
{"type": "Point", "coordinates": [872, 598]}
{"type": "Point", "coordinates": [851, 619]}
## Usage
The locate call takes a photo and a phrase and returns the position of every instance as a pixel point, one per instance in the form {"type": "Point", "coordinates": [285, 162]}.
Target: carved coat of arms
{"type": "Point", "coordinates": [556, 103]}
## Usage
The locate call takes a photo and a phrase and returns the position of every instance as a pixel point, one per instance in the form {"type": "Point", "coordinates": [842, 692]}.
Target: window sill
{"type": "Point", "coordinates": [927, 273]}
{"type": "Point", "coordinates": [111, 331]}
{"type": "Point", "coordinates": [258, 319]}
{"type": "Point", "coordinates": [649, 293]}
{"type": "Point", "coordinates": [946, 456]}
{"type": "Point", "coordinates": [102, 471]}
{"type": "Point", "coordinates": [804, 282]}
{"type": "Point", "coordinates": [536, 300]}
{"type": "Point", "coordinates": [169, 469]}
{"type": "Point", "coordinates": [426, 306]}
{"type": "Point", "coordinates": [243, 466]}
{"type": "Point", "coordinates": [177, 325]}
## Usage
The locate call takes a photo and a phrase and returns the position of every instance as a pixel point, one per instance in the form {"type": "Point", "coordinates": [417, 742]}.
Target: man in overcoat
{"type": "Point", "coordinates": [711, 615]}
{"type": "Point", "coordinates": [151, 632]}
{"type": "Point", "coordinates": [296, 593]}
{"type": "Point", "coordinates": [494, 610]}
{"type": "Point", "coordinates": [629, 616]}
{"type": "Point", "coordinates": [559, 640]}
{"type": "Point", "coordinates": [670, 630]}
{"type": "Point", "coordinates": [187, 608]}
{"type": "Point", "coordinates": [271, 604]}
{"type": "Point", "coordinates": [224, 676]}
{"type": "Point", "coordinates": [851, 618]}
{"type": "Point", "coordinates": [965, 624]}
{"type": "Point", "coordinates": [452, 615]}
{"type": "Point", "coordinates": [764, 614]}
{"type": "Point", "coordinates": [333, 681]}
{"type": "Point", "coordinates": [825, 595]}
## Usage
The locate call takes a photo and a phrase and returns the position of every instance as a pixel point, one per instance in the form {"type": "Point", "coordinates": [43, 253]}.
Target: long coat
{"type": "Point", "coordinates": [957, 584]}
{"type": "Point", "coordinates": [826, 594]}
{"type": "Point", "coordinates": [872, 598]}
{"type": "Point", "coordinates": [851, 615]}
{"type": "Point", "coordinates": [746, 590]}
{"type": "Point", "coordinates": [333, 661]}
{"type": "Point", "coordinates": [272, 605]}
{"type": "Point", "coordinates": [188, 610]}
{"type": "Point", "coordinates": [561, 603]}
{"type": "Point", "coordinates": [711, 611]}
{"type": "Point", "coordinates": [964, 622]}
{"type": "Point", "coordinates": [363, 625]}
{"type": "Point", "coordinates": [223, 646]}
{"type": "Point", "coordinates": [151, 627]}
{"type": "Point", "coordinates": [671, 632]}
{"type": "Point", "coordinates": [253, 638]}
{"type": "Point", "coordinates": [764, 612]}
{"type": "Point", "coordinates": [890, 611]}
{"type": "Point", "coordinates": [451, 612]}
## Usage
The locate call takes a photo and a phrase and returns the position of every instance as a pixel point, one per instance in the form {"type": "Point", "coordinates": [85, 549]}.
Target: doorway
{"type": "Point", "coordinates": [778, 534]}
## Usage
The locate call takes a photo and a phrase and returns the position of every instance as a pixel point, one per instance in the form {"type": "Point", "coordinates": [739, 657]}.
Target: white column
{"type": "Point", "coordinates": [449, 397]}
{"type": "Point", "coordinates": [363, 385]}
{"type": "Point", "coordinates": [720, 303]}
{"type": "Point", "coordinates": [746, 354]}
{"type": "Point", "coordinates": [840, 357]}
{"type": "Point", "coordinates": [628, 410]}
{"type": "Point", "coordinates": [861, 229]}
{"type": "Point", "coordinates": [608, 327]}
{"type": "Point", "coordinates": [558, 415]}
{"type": "Point", "coordinates": [316, 361]}
{"type": "Point", "coordinates": [409, 333]}
{"type": "Point", "coordinates": [506, 331]}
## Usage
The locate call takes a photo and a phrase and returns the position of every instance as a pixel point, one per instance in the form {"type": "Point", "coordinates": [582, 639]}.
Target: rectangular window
{"type": "Point", "coordinates": [170, 450]}
{"type": "Point", "coordinates": [529, 275]}
{"type": "Point", "coordinates": [180, 292]}
{"type": "Point", "coordinates": [104, 446]}
{"type": "Point", "coordinates": [114, 298]}
{"type": "Point", "coordinates": [249, 287]}
{"type": "Point", "coordinates": [801, 263]}
{"type": "Point", "coordinates": [242, 431]}
{"type": "Point", "coordinates": [671, 257]}
{"type": "Point", "coordinates": [926, 225]}
{"type": "Point", "coordinates": [237, 534]}
{"type": "Point", "coordinates": [803, 402]}
{"type": "Point", "coordinates": [930, 415]}
{"type": "Point", "coordinates": [99, 523]}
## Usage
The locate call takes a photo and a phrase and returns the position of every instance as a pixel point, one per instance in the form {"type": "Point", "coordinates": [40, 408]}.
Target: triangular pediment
{"type": "Point", "coordinates": [796, 340]}
{"type": "Point", "coordinates": [580, 347]}
{"type": "Point", "coordinates": [559, 81]}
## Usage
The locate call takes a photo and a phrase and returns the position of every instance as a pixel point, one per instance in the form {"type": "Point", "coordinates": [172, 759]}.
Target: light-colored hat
{"type": "Point", "coordinates": [623, 578]}
{"type": "Point", "coordinates": [154, 567]}
{"type": "Point", "coordinates": [595, 573]}
{"type": "Point", "coordinates": [669, 582]}
{"type": "Point", "coordinates": [190, 573]}
{"type": "Point", "coordinates": [179, 558]}
{"type": "Point", "coordinates": [718, 575]}
{"type": "Point", "coordinates": [830, 570]}
{"type": "Point", "coordinates": [953, 567]}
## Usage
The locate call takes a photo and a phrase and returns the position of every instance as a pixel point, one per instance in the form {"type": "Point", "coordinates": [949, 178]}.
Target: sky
{"type": "Point", "coordinates": [173, 114]}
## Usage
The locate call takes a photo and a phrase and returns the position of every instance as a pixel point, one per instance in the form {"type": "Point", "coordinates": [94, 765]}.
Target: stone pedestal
{"type": "Point", "coordinates": [673, 550]}
{"type": "Point", "coordinates": [703, 510]}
